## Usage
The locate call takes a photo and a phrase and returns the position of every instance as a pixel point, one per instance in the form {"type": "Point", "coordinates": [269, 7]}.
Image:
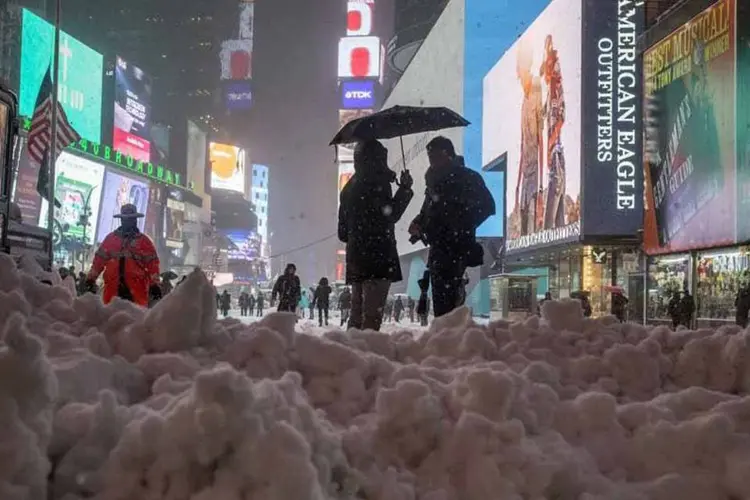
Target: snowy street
{"type": "Point", "coordinates": [119, 402]}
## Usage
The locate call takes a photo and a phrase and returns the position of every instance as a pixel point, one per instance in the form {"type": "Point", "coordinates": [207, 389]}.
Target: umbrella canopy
{"type": "Point", "coordinates": [398, 121]}
{"type": "Point", "coordinates": [169, 275]}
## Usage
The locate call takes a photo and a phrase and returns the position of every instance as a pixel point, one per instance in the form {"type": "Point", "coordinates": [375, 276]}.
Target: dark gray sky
{"type": "Point", "coordinates": [294, 117]}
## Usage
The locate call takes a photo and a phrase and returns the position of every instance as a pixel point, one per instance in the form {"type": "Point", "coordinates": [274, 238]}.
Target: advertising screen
{"type": "Point", "coordinates": [118, 190]}
{"type": "Point", "coordinates": [612, 163]}
{"type": "Point", "coordinates": [25, 194]}
{"type": "Point", "coordinates": [79, 76]}
{"type": "Point", "coordinates": [359, 57]}
{"type": "Point", "coordinates": [236, 59]}
{"type": "Point", "coordinates": [357, 94]}
{"type": "Point", "coordinates": [359, 18]}
{"type": "Point", "coordinates": [159, 144]}
{"type": "Point", "coordinates": [197, 156]}
{"type": "Point", "coordinates": [174, 219]}
{"type": "Point", "coordinates": [227, 167]}
{"type": "Point", "coordinates": [78, 186]}
{"type": "Point", "coordinates": [154, 220]}
{"type": "Point", "coordinates": [690, 154]}
{"type": "Point", "coordinates": [346, 171]}
{"type": "Point", "coordinates": [246, 244]}
{"type": "Point", "coordinates": [238, 96]}
{"type": "Point", "coordinates": [532, 124]}
{"type": "Point", "coordinates": [132, 111]}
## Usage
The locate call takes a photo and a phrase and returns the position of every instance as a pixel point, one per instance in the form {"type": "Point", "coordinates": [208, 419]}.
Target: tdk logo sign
{"type": "Point", "coordinates": [358, 94]}
{"type": "Point", "coordinates": [238, 96]}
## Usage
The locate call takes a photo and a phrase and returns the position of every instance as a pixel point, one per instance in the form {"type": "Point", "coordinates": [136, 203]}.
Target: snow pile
{"type": "Point", "coordinates": [119, 403]}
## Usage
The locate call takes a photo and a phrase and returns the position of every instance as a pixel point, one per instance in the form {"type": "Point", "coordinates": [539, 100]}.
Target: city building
{"type": "Point", "coordinates": [259, 199]}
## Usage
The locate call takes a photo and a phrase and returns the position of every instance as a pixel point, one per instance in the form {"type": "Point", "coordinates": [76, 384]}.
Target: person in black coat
{"type": "Point", "coordinates": [457, 202]}
{"type": "Point", "coordinates": [260, 303]}
{"type": "Point", "coordinates": [368, 213]}
{"type": "Point", "coordinates": [321, 300]}
{"type": "Point", "coordinates": [345, 305]}
{"type": "Point", "coordinates": [742, 303]}
{"type": "Point", "coordinates": [288, 289]}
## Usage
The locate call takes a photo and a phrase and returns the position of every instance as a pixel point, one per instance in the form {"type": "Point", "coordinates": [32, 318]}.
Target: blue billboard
{"type": "Point", "coordinates": [491, 27]}
{"type": "Point", "coordinates": [357, 94]}
{"type": "Point", "coordinates": [239, 95]}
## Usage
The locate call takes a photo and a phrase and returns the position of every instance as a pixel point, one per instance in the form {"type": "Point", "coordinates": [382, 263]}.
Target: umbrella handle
{"type": "Point", "coordinates": [403, 155]}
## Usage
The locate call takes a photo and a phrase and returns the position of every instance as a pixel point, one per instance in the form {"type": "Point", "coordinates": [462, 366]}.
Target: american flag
{"type": "Point", "coordinates": [41, 124]}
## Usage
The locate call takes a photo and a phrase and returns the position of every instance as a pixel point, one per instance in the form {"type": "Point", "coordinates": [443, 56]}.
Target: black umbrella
{"type": "Point", "coordinates": [169, 275]}
{"type": "Point", "coordinates": [398, 121]}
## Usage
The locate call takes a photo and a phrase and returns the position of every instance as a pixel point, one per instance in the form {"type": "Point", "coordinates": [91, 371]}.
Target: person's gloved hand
{"type": "Point", "coordinates": [406, 181]}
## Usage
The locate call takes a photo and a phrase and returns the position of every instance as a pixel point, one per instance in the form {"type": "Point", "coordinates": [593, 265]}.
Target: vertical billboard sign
{"type": "Point", "coordinates": [532, 124]}
{"type": "Point", "coordinates": [132, 111]}
{"type": "Point", "coordinates": [197, 156]}
{"type": "Point", "coordinates": [691, 174]}
{"type": "Point", "coordinates": [79, 76]}
{"type": "Point", "coordinates": [346, 171]}
{"type": "Point", "coordinates": [359, 57]}
{"type": "Point", "coordinates": [612, 159]}
{"type": "Point", "coordinates": [119, 190]}
{"type": "Point", "coordinates": [227, 167]}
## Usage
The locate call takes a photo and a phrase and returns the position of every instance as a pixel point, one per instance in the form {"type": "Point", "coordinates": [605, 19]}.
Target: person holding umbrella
{"type": "Point", "coordinates": [366, 224]}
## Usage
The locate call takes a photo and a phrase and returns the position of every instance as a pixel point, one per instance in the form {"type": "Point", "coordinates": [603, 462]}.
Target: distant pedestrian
{"type": "Point", "coordinates": [288, 290]}
{"type": "Point", "coordinates": [619, 305]}
{"type": "Point", "coordinates": [345, 305]}
{"type": "Point", "coordinates": [398, 309]}
{"type": "Point", "coordinates": [226, 303]}
{"type": "Point", "coordinates": [411, 305]}
{"type": "Point", "coordinates": [742, 303]}
{"type": "Point", "coordinates": [423, 305]}
{"type": "Point", "coordinates": [260, 303]}
{"type": "Point", "coordinates": [321, 300]}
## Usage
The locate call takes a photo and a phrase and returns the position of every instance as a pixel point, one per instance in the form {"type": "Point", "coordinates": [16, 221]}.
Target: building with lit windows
{"type": "Point", "coordinates": [259, 198]}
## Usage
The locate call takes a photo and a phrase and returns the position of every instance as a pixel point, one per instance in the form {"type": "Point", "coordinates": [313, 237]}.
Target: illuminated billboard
{"type": "Point", "coordinates": [79, 76]}
{"type": "Point", "coordinates": [359, 18]}
{"type": "Point", "coordinates": [236, 59]}
{"type": "Point", "coordinates": [132, 111]}
{"type": "Point", "coordinates": [227, 167]}
{"type": "Point", "coordinates": [346, 171]}
{"type": "Point", "coordinates": [521, 132]}
{"type": "Point", "coordinates": [357, 94]}
{"type": "Point", "coordinates": [359, 57]}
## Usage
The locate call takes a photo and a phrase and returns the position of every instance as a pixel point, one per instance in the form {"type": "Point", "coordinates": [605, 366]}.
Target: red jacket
{"type": "Point", "coordinates": [141, 265]}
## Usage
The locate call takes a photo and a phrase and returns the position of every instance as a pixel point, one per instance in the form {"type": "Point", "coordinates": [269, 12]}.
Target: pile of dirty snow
{"type": "Point", "coordinates": [119, 403]}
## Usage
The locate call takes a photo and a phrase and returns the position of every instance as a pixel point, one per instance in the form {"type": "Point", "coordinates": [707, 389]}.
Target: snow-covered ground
{"type": "Point", "coordinates": [118, 403]}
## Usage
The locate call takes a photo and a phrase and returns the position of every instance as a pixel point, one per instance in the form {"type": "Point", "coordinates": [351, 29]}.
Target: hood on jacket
{"type": "Point", "coordinates": [371, 162]}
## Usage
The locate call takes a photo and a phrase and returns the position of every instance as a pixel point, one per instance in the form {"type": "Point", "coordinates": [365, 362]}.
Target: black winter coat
{"type": "Point", "coordinates": [345, 300]}
{"type": "Point", "coordinates": [289, 291]}
{"type": "Point", "coordinates": [321, 297]}
{"type": "Point", "coordinates": [367, 216]}
{"type": "Point", "coordinates": [457, 201]}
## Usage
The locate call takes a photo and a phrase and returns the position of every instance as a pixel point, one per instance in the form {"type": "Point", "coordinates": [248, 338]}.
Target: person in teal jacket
{"type": "Point", "coordinates": [304, 303]}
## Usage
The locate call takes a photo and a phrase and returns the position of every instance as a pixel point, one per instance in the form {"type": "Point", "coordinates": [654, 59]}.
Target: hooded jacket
{"type": "Point", "coordinates": [129, 258]}
{"type": "Point", "coordinates": [368, 213]}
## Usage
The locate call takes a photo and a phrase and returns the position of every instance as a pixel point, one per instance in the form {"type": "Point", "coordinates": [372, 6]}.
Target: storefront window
{"type": "Point", "coordinates": [667, 276]}
{"type": "Point", "coordinates": [720, 276]}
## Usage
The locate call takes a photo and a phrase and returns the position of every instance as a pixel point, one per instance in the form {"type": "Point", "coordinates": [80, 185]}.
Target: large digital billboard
{"type": "Point", "coordinates": [245, 244]}
{"type": "Point", "coordinates": [532, 126]}
{"type": "Point", "coordinates": [197, 156]}
{"type": "Point", "coordinates": [79, 75]}
{"type": "Point", "coordinates": [691, 175]}
{"type": "Point", "coordinates": [357, 94]}
{"type": "Point", "coordinates": [359, 57]}
{"type": "Point", "coordinates": [346, 172]}
{"type": "Point", "coordinates": [487, 36]}
{"type": "Point", "coordinates": [78, 186]}
{"type": "Point", "coordinates": [119, 190]}
{"type": "Point", "coordinates": [132, 129]}
{"type": "Point", "coordinates": [227, 167]}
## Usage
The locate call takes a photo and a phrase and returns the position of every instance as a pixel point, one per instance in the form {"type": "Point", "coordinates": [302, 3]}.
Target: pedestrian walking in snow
{"type": "Point", "coordinates": [288, 290]}
{"type": "Point", "coordinates": [398, 309]}
{"type": "Point", "coordinates": [368, 213]}
{"type": "Point", "coordinates": [742, 303]}
{"type": "Point", "coordinates": [456, 203]}
{"type": "Point", "coordinates": [303, 304]}
{"type": "Point", "coordinates": [411, 305]}
{"type": "Point", "coordinates": [260, 304]}
{"type": "Point", "coordinates": [226, 303]}
{"type": "Point", "coordinates": [321, 300]}
{"type": "Point", "coordinates": [345, 305]}
{"type": "Point", "coordinates": [423, 305]}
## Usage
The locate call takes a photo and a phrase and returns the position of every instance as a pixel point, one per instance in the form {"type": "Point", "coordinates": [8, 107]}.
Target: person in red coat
{"type": "Point", "coordinates": [129, 261]}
